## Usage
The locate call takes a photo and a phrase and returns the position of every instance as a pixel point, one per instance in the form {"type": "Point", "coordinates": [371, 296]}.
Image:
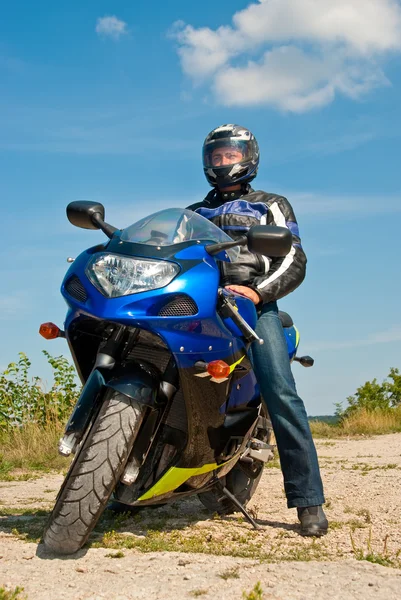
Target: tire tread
{"type": "Point", "coordinates": [93, 474]}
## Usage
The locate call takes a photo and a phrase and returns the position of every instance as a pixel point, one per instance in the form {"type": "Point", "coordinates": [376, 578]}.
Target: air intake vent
{"type": "Point", "coordinates": [76, 290]}
{"type": "Point", "coordinates": [180, 306]}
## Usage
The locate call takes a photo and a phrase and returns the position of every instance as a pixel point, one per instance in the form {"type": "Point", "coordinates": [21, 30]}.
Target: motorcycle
{"type": "Point", "coordinates": [170, 406]}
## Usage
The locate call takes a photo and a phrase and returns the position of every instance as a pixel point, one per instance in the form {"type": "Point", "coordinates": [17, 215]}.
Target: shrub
{"type": "Point", "coordinates": [361, 422]}
{"type": "Point", "coordinates": [25, 400]}
{"type": "Point", "coordinates": [365, 421]}
{"type": "Point", "coordinates": [372, 396]}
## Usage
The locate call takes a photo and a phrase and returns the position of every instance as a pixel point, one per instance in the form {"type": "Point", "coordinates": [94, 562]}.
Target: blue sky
{"type": "Point", "coordinates": [111, 101]}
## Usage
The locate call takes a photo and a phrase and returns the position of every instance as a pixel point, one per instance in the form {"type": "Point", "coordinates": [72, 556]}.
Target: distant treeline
{"type": "Point", "coordinates": [330, 419]}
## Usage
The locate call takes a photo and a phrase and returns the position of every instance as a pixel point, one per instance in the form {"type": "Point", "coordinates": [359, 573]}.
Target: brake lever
{"type": "Point", "coordinates": [228, 310]}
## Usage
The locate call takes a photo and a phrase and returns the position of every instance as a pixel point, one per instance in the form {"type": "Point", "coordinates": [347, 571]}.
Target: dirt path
{"type": "Point", "coordinates": [223, 557]}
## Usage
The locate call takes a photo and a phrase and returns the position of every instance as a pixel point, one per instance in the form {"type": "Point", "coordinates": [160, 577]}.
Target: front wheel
{"type": "Point", "coordinates": [94, 474]}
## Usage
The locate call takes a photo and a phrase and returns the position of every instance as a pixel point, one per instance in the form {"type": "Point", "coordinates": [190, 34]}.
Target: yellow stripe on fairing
{"type": "Point", "coordinates": [176, 476]}
{"type": "Point", "coordinates": [232, 367]}
{"type": "Point", "coordinates": [297, 337]}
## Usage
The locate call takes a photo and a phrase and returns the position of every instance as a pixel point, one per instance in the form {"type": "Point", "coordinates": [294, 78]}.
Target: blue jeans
{"type": "Point", "coordinates": [299, 464]}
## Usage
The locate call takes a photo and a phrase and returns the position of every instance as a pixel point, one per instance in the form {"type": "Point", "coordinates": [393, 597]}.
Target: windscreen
{"type": "Point", "coordinates": [174, 226]}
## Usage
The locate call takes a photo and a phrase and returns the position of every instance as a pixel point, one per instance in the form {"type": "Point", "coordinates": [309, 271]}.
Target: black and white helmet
{"type": "Point", "coordinates": [244, 153]}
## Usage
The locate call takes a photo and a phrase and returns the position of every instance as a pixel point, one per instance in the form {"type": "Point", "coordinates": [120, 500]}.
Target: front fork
{"type": "Point", "coordinates": [87, 402]}
{"type": "Point", "coordinates": [82, 414]}
{"type": "Point", "coordinates": [102, 376]}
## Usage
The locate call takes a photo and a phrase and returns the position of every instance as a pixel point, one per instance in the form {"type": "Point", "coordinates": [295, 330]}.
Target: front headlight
{"type": "Point", "coordinates": [115, 275]}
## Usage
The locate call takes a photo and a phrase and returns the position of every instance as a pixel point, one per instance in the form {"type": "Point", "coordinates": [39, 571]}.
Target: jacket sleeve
{"type": "Point", "coordinates": [287, 273]}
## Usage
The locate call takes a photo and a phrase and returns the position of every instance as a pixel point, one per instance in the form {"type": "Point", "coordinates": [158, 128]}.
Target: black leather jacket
{"type": "Point", "coordinates": [235, 213]}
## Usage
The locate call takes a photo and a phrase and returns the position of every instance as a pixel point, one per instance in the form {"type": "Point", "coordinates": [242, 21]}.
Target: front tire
{"type": "Point", "coordinates": [93, 474]}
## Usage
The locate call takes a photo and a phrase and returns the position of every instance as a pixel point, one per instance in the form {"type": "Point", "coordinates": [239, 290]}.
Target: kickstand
{"type": "Point", "coordinates": [237, 503]}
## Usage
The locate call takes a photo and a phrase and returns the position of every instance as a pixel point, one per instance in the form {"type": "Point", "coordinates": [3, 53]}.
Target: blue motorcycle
{"type": "Point", "coordinates": [170, 406]}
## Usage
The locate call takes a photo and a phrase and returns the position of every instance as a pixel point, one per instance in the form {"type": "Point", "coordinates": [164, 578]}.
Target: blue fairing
{"type": "Point", "coordinates": [203, 336]}
{"type": "Point", "coordinates": [196, 334]}
{"type": "Point", "coordinates": [292, 339]}
{"type": "Point", "coordinates": [248, 388]}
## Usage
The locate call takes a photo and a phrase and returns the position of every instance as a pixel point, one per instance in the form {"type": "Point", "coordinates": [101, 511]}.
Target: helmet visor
{"type": "Point", "coordinates": [226, 151]}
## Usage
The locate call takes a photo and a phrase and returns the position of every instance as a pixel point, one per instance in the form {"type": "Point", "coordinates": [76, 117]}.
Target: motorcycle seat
{"type": "Point", "coordinates": [285, 319]}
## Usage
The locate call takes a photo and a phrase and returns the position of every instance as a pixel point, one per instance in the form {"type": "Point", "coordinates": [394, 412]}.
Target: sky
{"type": "Point", "coordinates": [111, 101]}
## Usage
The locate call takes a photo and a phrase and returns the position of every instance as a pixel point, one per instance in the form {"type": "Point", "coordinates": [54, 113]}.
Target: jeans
{"type": "Point", "coordinates": [299, 464]}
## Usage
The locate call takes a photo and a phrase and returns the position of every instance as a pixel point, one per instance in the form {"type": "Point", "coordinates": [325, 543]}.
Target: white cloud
{"type": "Point", "coordinates": [383, 337]}
{"type": "Point", "coordinates": [315, 204]}
{"type": "Point", "coordinates": [293, 54]}
{"type": "Point", "coordinates": [361, 24]}
{"type": "Point", "coordinates": [111, 27]}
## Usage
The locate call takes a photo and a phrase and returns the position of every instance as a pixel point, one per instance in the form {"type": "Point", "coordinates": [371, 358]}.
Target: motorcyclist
{"type": "Point", "coordinates": [230, 162]}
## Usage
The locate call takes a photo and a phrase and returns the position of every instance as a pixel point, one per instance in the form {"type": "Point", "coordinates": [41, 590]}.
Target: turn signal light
{"type": "Point", "coordinates": [218, 369]}
{"type": "Point", "coordinates": [49, 331]}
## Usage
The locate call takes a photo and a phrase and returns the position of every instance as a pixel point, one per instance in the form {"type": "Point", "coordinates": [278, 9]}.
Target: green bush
{"type": "Point", "coordinates": [372, 396]}
{"type": "Point", "coordinates": [25, 400]}
{"type": "Point", "coordinates": [15, 594]}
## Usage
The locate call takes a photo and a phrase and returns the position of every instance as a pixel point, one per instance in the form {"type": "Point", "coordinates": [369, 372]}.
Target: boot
{"type": "Point", "coordinates": [313, 520]}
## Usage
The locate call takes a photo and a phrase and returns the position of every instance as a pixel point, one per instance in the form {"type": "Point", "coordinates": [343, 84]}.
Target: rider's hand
{"type": "Point", "coordinates": [245, 291]}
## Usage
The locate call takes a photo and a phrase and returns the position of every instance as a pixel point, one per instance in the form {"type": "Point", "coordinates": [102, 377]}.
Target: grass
{"type": "Point", "coordinates": [378, 558]}
{"type": "Point", "coordinates": [160, 533]}
{"type": "Point", "coordinates": [230, 573]}
{"type": "Point", "coordinates": [7, 476]}
{"type": "Point", "coordinates": [356, 524]}
{"type": "Point", "coordinates": [366, 467]}
{"type": "Point", "coordinates": [274, 463]}
{"type": "Point", "coordinates": [362, 422]}
{"type": "Point", "coordinates": [255, 594]}
{"type": "Point", "coordinates": [30, 448]}
{"type": "Point", "coordinates": [248, 544]}
{"type": "Point", "coordinates": [360, 512]}
{"type": "Point", "coordinates": [27, 525]}
{"type": "Point", "coordinates": [15, 594]}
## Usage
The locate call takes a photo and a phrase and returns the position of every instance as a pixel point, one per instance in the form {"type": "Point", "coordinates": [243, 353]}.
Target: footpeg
{"type": "Point", "coordinates": [259, 450]}
{"type": "Point", "coordinates": [306, 361]}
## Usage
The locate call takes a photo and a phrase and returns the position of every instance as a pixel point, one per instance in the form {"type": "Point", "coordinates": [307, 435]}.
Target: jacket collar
{"type": "Point", "coordinates": [216, 197]}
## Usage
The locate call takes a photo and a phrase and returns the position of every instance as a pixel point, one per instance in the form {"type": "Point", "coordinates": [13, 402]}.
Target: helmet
{"type": "Point", "coordinates": [244, 154]}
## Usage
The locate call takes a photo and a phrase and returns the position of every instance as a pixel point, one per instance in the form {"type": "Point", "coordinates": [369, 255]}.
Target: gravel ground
{"type": "Point", "coordinates": [362, 481]}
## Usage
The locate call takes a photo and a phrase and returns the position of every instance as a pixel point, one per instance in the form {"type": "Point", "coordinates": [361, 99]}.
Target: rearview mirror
{"type": "Point", "coordinates": [269, 240]}
{"type": "Point", "coordinates": [82, 214]}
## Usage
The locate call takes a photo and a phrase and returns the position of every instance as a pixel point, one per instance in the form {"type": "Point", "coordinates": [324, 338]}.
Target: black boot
{"type": "Point", "coordinates": [313, 520]}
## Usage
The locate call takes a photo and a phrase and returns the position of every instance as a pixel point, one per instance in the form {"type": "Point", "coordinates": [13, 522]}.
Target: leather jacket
{"type": "Point", "coordinates": [235, 212]}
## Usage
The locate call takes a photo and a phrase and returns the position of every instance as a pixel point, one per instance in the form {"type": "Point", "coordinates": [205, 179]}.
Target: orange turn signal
{"type": "Point", "coordinates": [49, 331]}
{"type": "Point", "coordinates": [218, 369]}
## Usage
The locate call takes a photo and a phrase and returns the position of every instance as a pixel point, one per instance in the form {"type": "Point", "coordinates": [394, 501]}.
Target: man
{"type": "Point", "coordinates": [230, 162]}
